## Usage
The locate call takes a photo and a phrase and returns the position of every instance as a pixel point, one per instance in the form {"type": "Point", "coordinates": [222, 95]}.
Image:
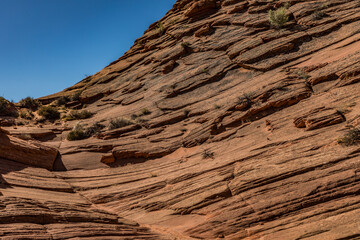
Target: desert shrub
{"type": "Point", "coordinates": [302, 74]}
{"type": "Point", "coordinates": [141, 120]}
{"type": "Point", "coordinates": [278, 18]}
{"type": "Point", "coordinates": [74, 115]}
{"type": "Point", "coordinates": [244, 102]}
{"type": "Point", "coordinates": [318, 14]}
{"type": "Point", "coordinates": [76, 96]}
{"type": "Point", "coordinates": [26, 114]}
{"type": "Point", "coordinates": [145, 111]}
{"type": "Point", "coordinates": [61, 100]}
{"type": "Point", "coordinates": [352, 137]}
{"type": "Point", "coordinates": [186, 112]}
{"type": "Point", "coordinates": [119, 123]}
{"type": "Point", "coordinates": [185, 44]}
{"type": "Point", "coordinates": [6, 108]}
{"type": "Point", "coordinates": [49, 112]}
{"type": "Point", "coordinates": [287, 5]}
{"type": "Point", "coordinates": [94, 129]}
{"type": "Point", "coordinates": [30, 103]}
{"type": "Point", "coordinates": [77, 133]}
{"type": "Point", "coordinates": [160, 28]}
{"type": "Point", "coordinates": [207, 154]}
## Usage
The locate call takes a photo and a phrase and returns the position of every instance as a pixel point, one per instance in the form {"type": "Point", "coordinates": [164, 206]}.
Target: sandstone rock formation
{"type": "Point", "coordinates": [235, 133]}
{"type": "Point", "coordinates": [32, 153]}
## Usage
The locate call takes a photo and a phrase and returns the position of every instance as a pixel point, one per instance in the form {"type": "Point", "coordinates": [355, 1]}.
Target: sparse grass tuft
{"type": "Point", "coordinates": [352, 137]}
{"type": "Point", "coordinates": [49, 112]}
{"type": "Point", "coordinates": [208, 154]}
{"type": "Point", "coordinates": [119, 123]}
{"type": "Point", "coordinates": [278, 18]}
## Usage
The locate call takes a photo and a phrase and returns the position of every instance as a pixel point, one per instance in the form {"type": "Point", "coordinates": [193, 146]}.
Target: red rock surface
{"type": "Point", "coordinates": [28, 152]}
{"type": "Point", "coordinates": [241, 139]}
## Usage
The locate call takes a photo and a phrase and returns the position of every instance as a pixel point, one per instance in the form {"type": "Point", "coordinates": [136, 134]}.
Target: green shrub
{"type": "Point", "coordinates": [278, 18]}
{"type": "Point", "coordinates": [74, 115]}
{"type": "Point", "coordinates": [77, 133]}
{"type": "Point", "coordinates": [94, 129]}
{"type": "Point", "coordinates": [352, 137]}
{"type": "Point", "coordinates": [7, 108]}
{"type": "Point", "coordinates": [49, 112]}
{"type": "Point", "coordinates": [160, 28]}
{"type": "Point", "coordinates": [30, 103]}
{"type": "Point", "coordinates": [119, 123]}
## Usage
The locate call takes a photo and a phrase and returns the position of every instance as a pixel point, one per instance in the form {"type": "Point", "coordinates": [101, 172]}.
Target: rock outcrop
{"type": "Point", "coordinates": [28, 152]}
{"type": "Point", "coordinates": [233, 130]}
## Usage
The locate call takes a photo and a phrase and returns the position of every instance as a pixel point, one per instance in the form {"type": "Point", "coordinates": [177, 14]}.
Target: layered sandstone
{"type": "Point", "coordinates": [29, 152]}
{"type": "Point", "coordinates": [240, 140]}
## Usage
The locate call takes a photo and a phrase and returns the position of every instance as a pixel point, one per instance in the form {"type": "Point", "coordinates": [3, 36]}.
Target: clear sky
{"type": "Point", "coordinates": [49, 45]}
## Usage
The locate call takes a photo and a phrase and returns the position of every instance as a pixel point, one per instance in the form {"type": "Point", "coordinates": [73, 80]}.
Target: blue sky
{"type": "Point", "coordinates": [48, 45]}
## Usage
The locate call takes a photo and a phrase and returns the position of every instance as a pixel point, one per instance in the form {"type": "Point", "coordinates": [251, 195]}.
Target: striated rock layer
{"type": "Point", "coordinates": [31, 153]}
{"type": "Point", "coordinates": [239, 139]}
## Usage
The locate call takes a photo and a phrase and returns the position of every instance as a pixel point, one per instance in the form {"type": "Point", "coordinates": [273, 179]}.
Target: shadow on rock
{"type": "Point", "coordinates": [59, 164]}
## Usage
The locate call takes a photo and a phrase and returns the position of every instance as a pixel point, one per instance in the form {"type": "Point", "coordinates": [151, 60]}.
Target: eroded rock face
{"type": "Point", "coordinates": [29, 152]}
{"type": "Point", "coordinates": [238, 139]}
